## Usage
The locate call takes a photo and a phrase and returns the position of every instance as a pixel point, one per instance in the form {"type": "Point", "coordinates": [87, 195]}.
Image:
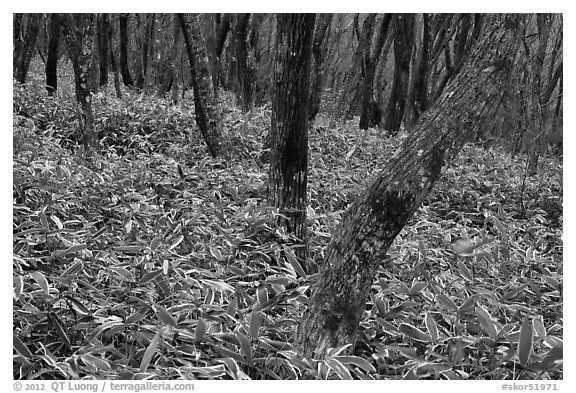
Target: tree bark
{"type": "Point", "coordinates": [403, 40]}
{"type": "Point", "coordinates": [288, 177]}
{"type": "Point", "coordinates": [374, 219]}
{"type": "Point", "coordinates": [52, 56]}
{"type": "Point", "coordinates": [124, 41]}
{"type": "Point", "coordinates": [205, 100]}
{"type": "Point", "coordinates": [24, 44]}
{"type": "Point", "coordinates": [79, 32]}
{"type": "Point", "coordinates": [318, 50]}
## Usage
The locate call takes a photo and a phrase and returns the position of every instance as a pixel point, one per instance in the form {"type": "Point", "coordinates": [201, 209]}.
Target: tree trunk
{"type": "Point", "coordinates": [403, 40]}
{"type": "Point", "coordinates": [256, 51]}
{"type": "Point", "coordinates": [318, 49]}
{"type": "Point", "coordinates": [222, 29]}
{"type": "Point", "coordinates": [103, 51]}
{"type": "Point", "coordinates": [124, 71]}
{"type": "Point", "coordinates": [370, 111]}
{"type": "Point", "coordinates": [25, 44]}
{"type": "Point", "coordinates": [113, 63]}
{"type": "Point", "coordinates": [288, 177]}
{"type": "Point", "coordinates": [169, 79]}
{"type": "Point", "coordinates": [245, 71]}
{"type": "Point", "coordinates": [147, 48]}
{"type": "Point", "coordinates": [52, 56]}
{"type": "Point", "coordinates": [419, 94]}
{"type": "Point", "coordinates": [79, 32]}
{"type": "Point", "coordinates": [205, 100]}
{"type": "Point", "coordinates": [370, 225]}
{"type": "Point", "coordinates": [364, 36]}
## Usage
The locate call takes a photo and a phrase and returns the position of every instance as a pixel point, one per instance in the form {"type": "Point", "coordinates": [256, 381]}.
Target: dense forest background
{"type": "Point", "coordinates": [153, 237]}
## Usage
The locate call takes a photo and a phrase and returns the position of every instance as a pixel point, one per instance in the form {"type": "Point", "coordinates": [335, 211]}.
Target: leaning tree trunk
{"type": "Point", "coordinates": [52, 56]}
{"type": "Point", "coordinates": [79, 32]}
{"type": "Point", "coordinates": [288, 177]}
{"type": "Point", "coordinates": [375, 218]}
{"type": "Point", "coordinates": [205, 100]}
{"type": "Point", "coordinates": [403, 40]}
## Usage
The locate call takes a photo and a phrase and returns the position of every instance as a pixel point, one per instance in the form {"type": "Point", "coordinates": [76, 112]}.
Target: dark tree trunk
{"type": "Point", "coordinates": [245, 72]}
{"type": "Point", "coordinates": [17, 20]}
{"type": "Point", "coordinates": [169, 79]}
{"type": "Point", "coordinates": [222, 29]}
{"type": "Point", "coordinates": [403, 40]}
{"type": "Point", "coordinates": [288, 177]}
{"type": "Point", "coordinates": [318, 50]}
{"type": "Point", "coordinates": [379, 213]}
{"type": "Point", "coordinates": [24, 44]}
{"type": "Point", "coordinates": [419, 92]}
{"type": "Point", "coordinates": [370, 111]}
{"type": "Point", "coordinates": [256, 54]}
{"type": "Point", "coordinates": [113, 63]}
{"type": "Point", "coordinates": [463, 43]}
{"type": "Point", "coordinates": [205, 100]}
{"type": "Point", "coordinates": [364, 36]}
{"type": "Point", "coordinates": [147, 48]}
{"type": "Point", "coordinates": [103, 50]}
{"type": "Point", "coordinates": [124, 70]}
{"type": "Point", "coordinates": [52, 56]}
{"type": "Point", "coordinates": [79, 32]}
{"type": "Point", "coordinates": [538, 113]}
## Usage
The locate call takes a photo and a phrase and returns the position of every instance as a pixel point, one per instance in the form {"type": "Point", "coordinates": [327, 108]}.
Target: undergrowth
{"type": "Point", "coordinates": [153, 260]}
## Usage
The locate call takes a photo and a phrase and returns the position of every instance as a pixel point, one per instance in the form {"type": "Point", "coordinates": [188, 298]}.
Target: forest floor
{"type": "Point", "coordinates": [153, 259]}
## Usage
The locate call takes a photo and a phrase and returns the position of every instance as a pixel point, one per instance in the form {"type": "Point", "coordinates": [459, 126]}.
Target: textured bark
{"type": "Point", "coordinates": [24, 44]}
{"type": "Point", "coordinates": [403, 40]}
{"type": "Point", "coordinates": [124, 43]}
{"type": "Point", "coordinates": [79, 31]}
{"type": "Point", "coordinates": [374, 219]}
{"type": "Point", "coordinates": [318, 50]}
{"type": "Point", "coordinates": [205, 100]}
{"type": "Point", "coordinates": [52, 56]}
{"type": "Point", "coordinates": [288, 177]}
